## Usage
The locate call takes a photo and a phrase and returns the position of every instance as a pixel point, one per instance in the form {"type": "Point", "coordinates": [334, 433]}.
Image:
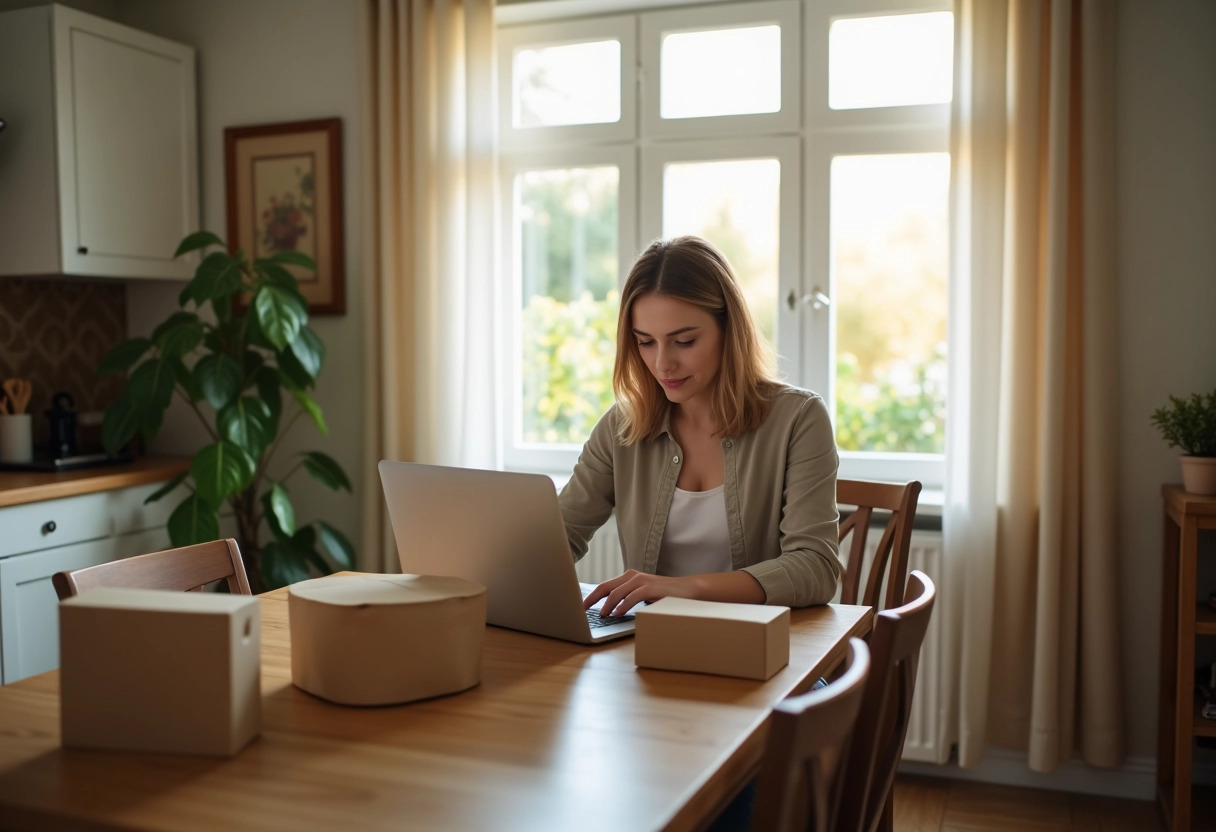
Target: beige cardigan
{"type": "Point", "coordinates": [780, 497]}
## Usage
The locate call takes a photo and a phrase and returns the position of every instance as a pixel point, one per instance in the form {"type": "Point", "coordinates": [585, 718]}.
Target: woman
{"type": "Point", "coordinates": [723, 478]}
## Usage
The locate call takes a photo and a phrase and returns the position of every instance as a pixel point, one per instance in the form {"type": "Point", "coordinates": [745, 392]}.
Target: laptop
{"type": "Point", "coordinates": [502, 530]}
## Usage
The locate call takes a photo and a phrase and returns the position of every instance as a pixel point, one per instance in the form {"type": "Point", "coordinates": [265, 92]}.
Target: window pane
{"type": "Point", "coordinates": [735, 205]}
{"type": "Point", "coordinates": [567, 227]}
{"type": "Point", "coordinates": [721, 72]}
{"type": "Point", "coordinates": [577, 83]}
{"type": "Point", "coordinates": [891, 61]}
{"type": "Point", "coordinates": [889, 253]}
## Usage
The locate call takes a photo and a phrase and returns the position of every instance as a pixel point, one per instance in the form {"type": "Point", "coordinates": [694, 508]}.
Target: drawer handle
{"type": "Point", "coordinates": [48, 527]}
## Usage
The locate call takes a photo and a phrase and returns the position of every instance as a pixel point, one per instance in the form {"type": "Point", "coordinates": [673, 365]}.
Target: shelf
{"type": "Point", "coordinates": [1202, 727]}
{"type": "Point", "coordinates": [1205, 620]}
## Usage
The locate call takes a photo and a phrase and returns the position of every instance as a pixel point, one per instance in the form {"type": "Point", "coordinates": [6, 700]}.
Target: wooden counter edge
{"type": "Point", "coordinates": [20, 487]}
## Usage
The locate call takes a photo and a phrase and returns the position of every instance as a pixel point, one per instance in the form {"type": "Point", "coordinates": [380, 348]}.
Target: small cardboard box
{"type": "Point", "coordinates": [149, 670]}
{"type": "Point", "coordinates": [747, 640]}
{"type": "Point", "coordinates": [386, 639]}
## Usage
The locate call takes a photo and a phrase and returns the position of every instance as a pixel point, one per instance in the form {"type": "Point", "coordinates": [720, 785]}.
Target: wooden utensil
{"type": "Point", "coordinates": [19, 391]}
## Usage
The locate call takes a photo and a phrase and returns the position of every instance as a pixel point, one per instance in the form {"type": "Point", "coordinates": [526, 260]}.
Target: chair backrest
{"type": "Point", "coordinates": [186, 568]}
{"type": "Point", "coordinates": [878, 741]}
{"type": "Point", "coordinates": [805, 758]}
{"type": "Point", "coordinates": [900, 501]}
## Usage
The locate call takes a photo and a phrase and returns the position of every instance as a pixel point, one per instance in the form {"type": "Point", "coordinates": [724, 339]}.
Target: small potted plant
{"type": "Point", "coordinates": [1190, 424]}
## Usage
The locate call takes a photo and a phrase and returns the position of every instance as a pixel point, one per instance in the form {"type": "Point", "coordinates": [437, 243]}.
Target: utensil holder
{"type": "Point", "coordinates": [16, 438]}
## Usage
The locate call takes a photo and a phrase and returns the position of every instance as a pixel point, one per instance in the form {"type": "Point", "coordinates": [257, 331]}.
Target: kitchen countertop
{"type": "Point", "coordinates": [18, 487]}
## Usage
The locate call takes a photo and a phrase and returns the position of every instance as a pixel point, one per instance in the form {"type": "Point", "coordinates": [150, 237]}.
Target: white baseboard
{"type": "Point", "coordinates": [1135, 779]}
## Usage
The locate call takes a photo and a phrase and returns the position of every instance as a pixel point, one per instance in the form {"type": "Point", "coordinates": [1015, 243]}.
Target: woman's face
{"type": "Point", "coordinates": [681, 345]}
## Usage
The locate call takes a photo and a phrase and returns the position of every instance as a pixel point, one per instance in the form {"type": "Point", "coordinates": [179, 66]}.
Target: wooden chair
{"type": "Point", "coordinates": [878, 741]}
{"type": "Point", "coordinates": [186, 568]}
{"type": "Point", "coordinates": [802, 771]}
{"type": "Point", "coordinates": [900, 501]}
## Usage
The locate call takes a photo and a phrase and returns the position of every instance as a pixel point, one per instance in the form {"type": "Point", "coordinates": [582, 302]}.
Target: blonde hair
{"type": "Point", "coordinates": [692, 270]}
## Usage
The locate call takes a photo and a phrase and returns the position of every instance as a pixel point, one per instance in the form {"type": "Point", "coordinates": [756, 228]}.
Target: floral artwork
{"type": "Point", "coordinates": [284, 190]}
{"type": "Point", "coordinates": [284, 194]}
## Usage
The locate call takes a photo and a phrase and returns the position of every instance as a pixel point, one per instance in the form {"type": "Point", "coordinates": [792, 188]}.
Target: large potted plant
{"type": "Point", "coordinates": [1190, 424]}
{"type": "Point", "coordinates": [245, 371]}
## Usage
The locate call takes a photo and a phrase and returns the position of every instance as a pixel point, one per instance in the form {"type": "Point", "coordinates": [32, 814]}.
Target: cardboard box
{"type": "Point", "coordinates": [747, 640]}
{"type": "Point", "coordinates": [385, 639]}
{"type": "Point", "coordinates": [150, 670]}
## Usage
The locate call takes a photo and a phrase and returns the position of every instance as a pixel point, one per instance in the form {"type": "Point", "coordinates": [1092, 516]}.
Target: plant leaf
{"type": "Point", "coordinates": [304, 543]}
{"type": "Point", "coordinates": [120, 423]}
{"type": "Point", "coordinates": [123, 355]}
{"type": "Point", "coordinates": [280, 315]}
{"type": "Point", "coordinates": [326, 470]}
{"type": "Point", "coordinates": [246, 423]}
{"type": "Point", "coordinates": [280, 510]}
{"type": "Point", "coordinates": [185, 380]}
{"type": "Point", "coordinates": [220, 470]}
{"type": "Point", "coordinates": [267, 380]}
{"type": "Point", "coordinates": [197, 240]}
{"type": "Point", "coordinates": [193, 521]}
{"type": "Point", "coordinates": [179, 334]}
{"type": "Point", "coordinates": [294, 258]}
{"type": "Point", "coordinates": [313, 409]}
{"type": "Point", "coordinates": [219, 379]}
{"type": "Point", "coordinates": [282, 565]}
{"type": "Point", "coordinates": [216, 276]}
{"type": "Point", "coordinates": [151, 390]}
{"type": "Point", "coordinates": [309, 351]}
{"type": "Point", "coordinates": [166, 488]}
{"type": "Point", "coordinates": [337, 545]}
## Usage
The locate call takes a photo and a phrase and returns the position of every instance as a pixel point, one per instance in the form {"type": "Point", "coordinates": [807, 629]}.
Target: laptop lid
{"type": "Point", "coordinates": [500, 529]}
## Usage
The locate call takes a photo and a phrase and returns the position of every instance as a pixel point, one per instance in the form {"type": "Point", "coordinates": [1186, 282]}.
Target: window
{"type": "Point", "coordinates": [805, 138]}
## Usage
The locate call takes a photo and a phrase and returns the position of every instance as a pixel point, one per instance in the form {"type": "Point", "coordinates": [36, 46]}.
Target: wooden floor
{"type": "Point", "coordinates": [930, 804]}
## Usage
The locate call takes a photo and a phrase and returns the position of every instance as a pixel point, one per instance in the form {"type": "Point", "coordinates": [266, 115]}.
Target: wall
{"type": "Point", "coordinates": [258, 63]}
{"type": "Point", "coordinates": [53, 333]}
{"type": "Point", "coordinates": [1165, 143]}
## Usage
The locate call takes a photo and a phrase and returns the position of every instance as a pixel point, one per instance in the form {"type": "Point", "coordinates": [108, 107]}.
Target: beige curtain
{"type": "Point", "coordinates": [429, 241]}
{"type": "Point", "coordinates": [1031, 497]}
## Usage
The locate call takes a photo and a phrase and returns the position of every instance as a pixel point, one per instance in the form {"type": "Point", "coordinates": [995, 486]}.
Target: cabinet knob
{"type": "Point", "coordinates": [82, 249]}
{"type": "Point", "coordinates": [48, 527]}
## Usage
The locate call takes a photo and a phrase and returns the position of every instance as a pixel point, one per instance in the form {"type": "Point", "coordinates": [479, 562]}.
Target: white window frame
{"type": "Point", "coordinates": [646, 142]}
{"type": "Point", "coordinates": [820, 14]}
{"type": "Point", "coordinates": [656, 25]}
{"type": "Point", "coordinates": [819, 325]}
{"type": "Point", "coordinates": [785, 149]}
{"type": "Point", "coordinates": [512, 39]}
{"type": "Point", "coordinates": [553, 457]}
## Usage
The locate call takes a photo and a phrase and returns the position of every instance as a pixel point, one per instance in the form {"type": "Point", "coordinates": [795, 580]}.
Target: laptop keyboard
{"type": "Point", "coordinates": [594, 619]}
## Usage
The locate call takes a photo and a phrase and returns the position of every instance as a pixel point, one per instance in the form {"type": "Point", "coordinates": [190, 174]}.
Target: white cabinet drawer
{"type": "Point", "coordinates": [29, 607]}
{"type": "Point", "coordinates": [49, 523]}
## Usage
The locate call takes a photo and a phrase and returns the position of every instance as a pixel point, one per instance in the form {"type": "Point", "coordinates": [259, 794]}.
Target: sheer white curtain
{"type": "Point", "coordinates": [1033, 652]}
{"type": "Point", "coordinates": [430, 241]}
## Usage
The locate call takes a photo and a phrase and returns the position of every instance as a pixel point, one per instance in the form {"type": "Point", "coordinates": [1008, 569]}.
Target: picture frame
{"type": "Point", "coordinates": [284, 192]}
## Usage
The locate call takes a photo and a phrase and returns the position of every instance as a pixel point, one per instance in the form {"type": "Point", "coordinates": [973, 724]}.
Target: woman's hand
{"type": "Point", "coordinates": [626, 591]}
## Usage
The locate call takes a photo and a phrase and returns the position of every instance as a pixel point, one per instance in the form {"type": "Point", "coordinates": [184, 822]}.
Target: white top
{"type": "Point", "coordinates": [696, 539]}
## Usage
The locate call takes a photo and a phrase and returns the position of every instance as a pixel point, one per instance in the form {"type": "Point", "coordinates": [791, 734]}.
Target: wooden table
{"type": "Point", "coordinates": [556, 736]}
{"type": "Point", "coordinates": [1182, 619]}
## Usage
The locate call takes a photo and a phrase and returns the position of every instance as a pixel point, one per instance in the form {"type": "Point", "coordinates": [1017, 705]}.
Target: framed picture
{"type": "Point", "coordinates": [284, 190]}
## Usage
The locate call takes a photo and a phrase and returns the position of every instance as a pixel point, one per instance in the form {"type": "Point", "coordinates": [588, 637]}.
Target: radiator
{"type": "Point", "coordinates": [603, 561]}
{"type": "Point", "coordinates": [921, 743]}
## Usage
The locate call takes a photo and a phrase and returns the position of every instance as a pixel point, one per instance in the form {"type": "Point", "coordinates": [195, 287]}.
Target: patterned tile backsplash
{"type": "Point", "coordinates": [54, 333]}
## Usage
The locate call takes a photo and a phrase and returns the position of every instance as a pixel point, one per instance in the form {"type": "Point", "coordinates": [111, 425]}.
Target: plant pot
{"type": "Point", "coordinates": [1199, 474]}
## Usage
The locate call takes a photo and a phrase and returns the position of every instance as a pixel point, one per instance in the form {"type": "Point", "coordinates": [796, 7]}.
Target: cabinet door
{"type": "Point", "coordinates": [29, 607]}
{"type": "Point", "coordinates": [128, 167]}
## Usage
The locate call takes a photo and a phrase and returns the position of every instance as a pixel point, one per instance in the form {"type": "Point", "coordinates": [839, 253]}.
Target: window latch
{"type": "Point", "coordinates": [816, 298]}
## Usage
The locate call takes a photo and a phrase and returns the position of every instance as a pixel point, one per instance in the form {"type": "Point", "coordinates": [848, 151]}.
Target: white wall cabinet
{"type": "Point", "coordinates": [99, 156]}
{"type": "Point", "coordinates": [42, 538]}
